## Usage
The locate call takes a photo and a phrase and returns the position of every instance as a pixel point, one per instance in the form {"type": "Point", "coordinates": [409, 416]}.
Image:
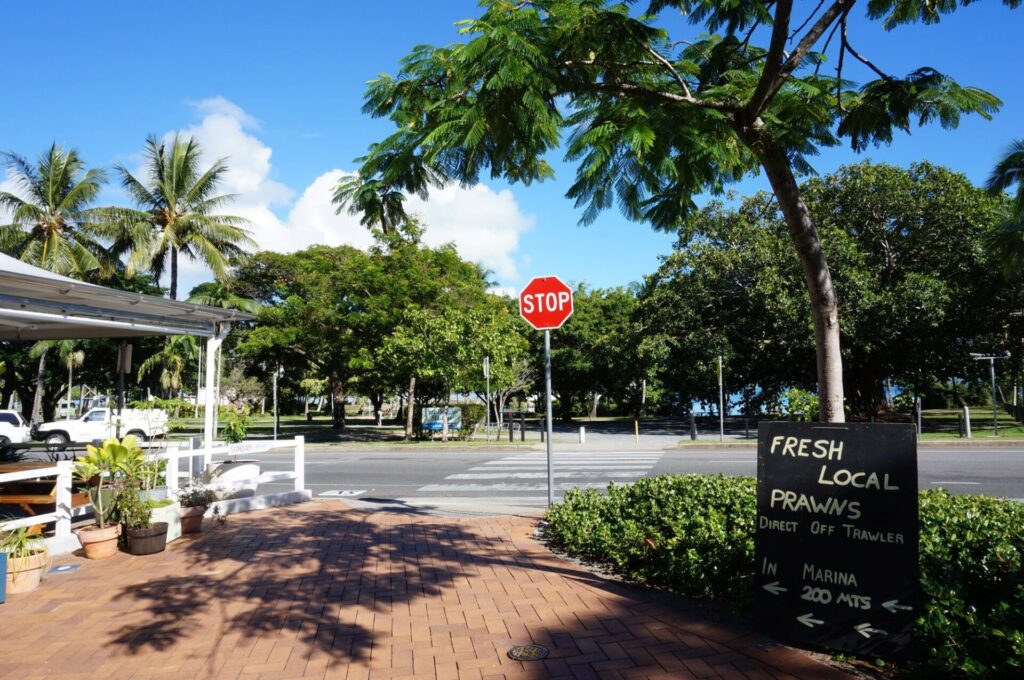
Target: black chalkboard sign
{"type": "Point", "coordinates": [837, 534]}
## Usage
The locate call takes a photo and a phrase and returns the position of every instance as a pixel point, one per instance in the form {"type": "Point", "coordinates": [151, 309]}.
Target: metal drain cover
{"type": "Point", "coordinates": [528, 652]}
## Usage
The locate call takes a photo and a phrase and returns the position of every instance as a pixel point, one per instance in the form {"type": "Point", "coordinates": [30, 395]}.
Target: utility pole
{"type": "Point", "coordinates": [487, 377]}
{"type": "Point", "coordinates": [992, 359]}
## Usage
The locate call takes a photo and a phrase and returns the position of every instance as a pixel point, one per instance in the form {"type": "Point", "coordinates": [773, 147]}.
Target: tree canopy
{"type": "Point", "coordinates": [652, 120]}
{"type": "Point", "coordinates": [919, 291]}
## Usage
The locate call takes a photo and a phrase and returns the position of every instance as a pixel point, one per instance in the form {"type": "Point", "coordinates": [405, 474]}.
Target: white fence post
{"type": "Point", "coordinates": [63, 509]}
{"type": "Point", "coordinates": [300, 463]}
{"type": "Point", "coordinates": [171, 473]}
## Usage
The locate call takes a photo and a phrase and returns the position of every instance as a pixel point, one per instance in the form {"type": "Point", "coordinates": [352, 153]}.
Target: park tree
{"type": "Point", "coordinates": [908, 247]}
{"type": "Point", "coordinates": [596, 353]}
{"type": "Point", "coordinates": [330, 312]}
{"type": "Point", "coordinates": [654, 119]}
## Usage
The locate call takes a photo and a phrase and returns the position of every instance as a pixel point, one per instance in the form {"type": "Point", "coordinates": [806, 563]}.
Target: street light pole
{"type": "Point", "coordinates": [992, 358]}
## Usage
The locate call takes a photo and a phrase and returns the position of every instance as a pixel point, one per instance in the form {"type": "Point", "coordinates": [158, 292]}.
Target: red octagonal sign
{"type": "Point", "coordinates": [546, 303]}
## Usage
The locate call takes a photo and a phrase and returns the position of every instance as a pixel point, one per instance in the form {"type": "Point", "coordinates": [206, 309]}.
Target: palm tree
{"type": "Point", "coordinates": [176, 213]}
{"type": "Point", "coordinates": [51, 226]}
{"type": "Point", "coordinates": [221, 294]}
{"type": "Point", "coordinates": [69, 355]}
{"type": "Point", "coordinates": [1009, 171]}
{"type": "Point", "coordinates": [1007, 241]}
{"type": "Point", "coordinates": [172, 360]}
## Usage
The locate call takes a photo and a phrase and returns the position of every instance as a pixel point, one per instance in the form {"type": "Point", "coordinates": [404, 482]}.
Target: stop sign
{"type": "Point", "coordinates": [546, 303]}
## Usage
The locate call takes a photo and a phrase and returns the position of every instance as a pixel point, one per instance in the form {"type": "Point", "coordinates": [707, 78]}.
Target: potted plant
{"type": "Point", "coordinates": [27, 559]}
{"type": "Point", "coordinates": [141, 536]}
{"type": "Point", "coordinates": [101, 469]}
{"type": "Point", "coordinates": [194, 500]}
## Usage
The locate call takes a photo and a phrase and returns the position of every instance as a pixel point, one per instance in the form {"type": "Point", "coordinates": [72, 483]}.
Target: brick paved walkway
{"type": "Point", "coordinates": [324, 591]}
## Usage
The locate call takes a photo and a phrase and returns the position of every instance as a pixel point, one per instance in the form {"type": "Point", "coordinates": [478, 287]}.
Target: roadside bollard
{"type": "Point", "coordinates": [583, 435]}
{"type": "Point", "coordinates": [511, 425]}
{"type": "Point", "coordinates": [522, 427]}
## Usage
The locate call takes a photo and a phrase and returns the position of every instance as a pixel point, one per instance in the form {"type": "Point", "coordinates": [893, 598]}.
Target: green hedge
{"type": "Point", "coordinates": [694, 535]}
{"type": "Point", "coordinates": [972, 582]}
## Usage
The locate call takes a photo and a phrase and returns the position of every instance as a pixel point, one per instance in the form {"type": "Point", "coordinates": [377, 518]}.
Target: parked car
{"type": "Point", "coordinates": [102, 423]}
{"type": "Point", "coordinates": [13, 429]}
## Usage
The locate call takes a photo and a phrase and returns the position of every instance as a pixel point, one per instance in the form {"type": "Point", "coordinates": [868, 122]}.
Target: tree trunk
{"type": "Point", "coordinates": [377, 400]}
{"type": "Point", "coordinates": [337, 400]}
{"type": "Point", "coordinates": [824, 304]}
{"type": "Point", "coordinates": [410, 408]}
{"type": "Point", "coordinates": [174, 273]}
{"type": "Point", "coordinates": [565, 406]}
{"type": "Point", "coordinates": [595, 399]}
{"type": "Point", "coordinates": [37, 403]}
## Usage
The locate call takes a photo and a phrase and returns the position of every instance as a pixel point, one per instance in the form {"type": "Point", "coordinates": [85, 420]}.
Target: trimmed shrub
{"type": "Point", "coordinates": [692, 534]}
{"type": "Point", "coordinates": [972, 583]}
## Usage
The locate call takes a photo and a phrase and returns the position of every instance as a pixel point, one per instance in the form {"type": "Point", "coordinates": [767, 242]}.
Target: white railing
{"type": "Point", "coordinates": [64, 541]}
{"type": "Point", "coordinates": [222, 453]}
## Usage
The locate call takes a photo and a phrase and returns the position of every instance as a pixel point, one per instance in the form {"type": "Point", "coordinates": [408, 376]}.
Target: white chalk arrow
{"type": "Point", "coordinates": [808, 620]}
{"type": "Point", "coordinates": [866, 630]}
{"type": "Point", "coordinates": [774, 588]}
{"type": "Point", "coordinates": [894, 605]}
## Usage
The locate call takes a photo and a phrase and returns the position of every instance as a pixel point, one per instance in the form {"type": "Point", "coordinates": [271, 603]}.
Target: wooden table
{"type": "Point", "coordinates": [31, 495]}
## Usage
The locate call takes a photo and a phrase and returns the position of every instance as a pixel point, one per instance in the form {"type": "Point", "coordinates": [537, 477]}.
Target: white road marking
{"type": "Point", "coordinates": [510, 487]}
{"type": "Point", "coordinates": [958, 483]}
{"type": "Point", "coordinates": [543, 475]}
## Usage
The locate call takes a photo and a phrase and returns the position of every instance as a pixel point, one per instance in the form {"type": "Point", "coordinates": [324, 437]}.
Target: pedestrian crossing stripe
{"type": "Point", "coordinates": [571, 470]}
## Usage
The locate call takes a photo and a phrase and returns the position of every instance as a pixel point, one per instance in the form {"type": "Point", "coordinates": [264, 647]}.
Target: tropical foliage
{"type": "Point", "coordinates": [52, 225]}
{"type": "Point", "coordinates": [652, 120]}
{"type": "Point", "coordinates": [177, 215]}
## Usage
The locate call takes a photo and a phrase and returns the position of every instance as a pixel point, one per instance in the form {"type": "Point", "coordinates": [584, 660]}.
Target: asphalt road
{"type": "Point", "coordinates": [496, 481]}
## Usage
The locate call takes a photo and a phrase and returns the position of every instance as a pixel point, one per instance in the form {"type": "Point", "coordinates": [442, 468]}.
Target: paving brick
{"type": "Point", "coordinates": [321, 590]}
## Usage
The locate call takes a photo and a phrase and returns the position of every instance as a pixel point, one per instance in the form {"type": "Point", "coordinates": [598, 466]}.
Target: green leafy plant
{"type": "Point", "coordinates": [694, 535]}
{"type": "Point", "coordinates": [196, 495]}
{"type": "Point", "coordinates": [19, 543]}
{"type": "Point", "coordinates": [972, 582]}
{"type": "Point", "coordinates": [800, 404]}
{"type": "Point", "coordinates": [102, 469]}
{"type": "Point", "coordinates": [236, 426]}
{"type": "Point", "coordinates": [129, 508]}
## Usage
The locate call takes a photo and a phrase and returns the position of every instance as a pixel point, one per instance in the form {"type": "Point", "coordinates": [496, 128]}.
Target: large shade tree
{"type": "Point", "coordinates": [177, 212]}
{"type": "Point", "coordinates": [908, 249]}
{"type": "Point", "coordinates": [654, 120]}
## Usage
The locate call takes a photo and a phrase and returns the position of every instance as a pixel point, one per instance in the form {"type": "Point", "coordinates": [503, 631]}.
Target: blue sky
{"type": "Point", "coordinates": [278, 87]}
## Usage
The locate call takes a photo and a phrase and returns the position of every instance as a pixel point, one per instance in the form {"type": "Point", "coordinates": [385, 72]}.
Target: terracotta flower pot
{"type": "Point", "coordinates": [192, 519]}
{"type": "Point", "coordinates": [24, 574]}
{"type": "Point", "coordinates": [99, 544]}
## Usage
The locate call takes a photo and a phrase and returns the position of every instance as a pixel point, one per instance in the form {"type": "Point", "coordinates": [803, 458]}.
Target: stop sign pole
{"type": "Point", "coordinates": [546, 304]}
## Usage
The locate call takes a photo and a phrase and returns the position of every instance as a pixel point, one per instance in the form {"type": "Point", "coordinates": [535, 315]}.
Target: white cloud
{"type": "Point", "coordinates": [485, 225]}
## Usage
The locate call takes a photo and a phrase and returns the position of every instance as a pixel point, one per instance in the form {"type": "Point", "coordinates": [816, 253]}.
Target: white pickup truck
{"type": "Point", "coordinates": [102, 423]}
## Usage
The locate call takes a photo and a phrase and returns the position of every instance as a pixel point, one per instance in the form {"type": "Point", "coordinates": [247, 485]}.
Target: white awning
{"type": "Point", "coordinates": [38, 305]}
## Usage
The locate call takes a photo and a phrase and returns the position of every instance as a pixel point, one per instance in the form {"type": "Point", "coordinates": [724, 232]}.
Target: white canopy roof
{"type": "Point", "coordinates": [38, 305]}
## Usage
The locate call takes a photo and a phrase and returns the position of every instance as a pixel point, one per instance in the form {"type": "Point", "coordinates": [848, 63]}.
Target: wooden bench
{"type": "Point", "coordinates": [28, 497]}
